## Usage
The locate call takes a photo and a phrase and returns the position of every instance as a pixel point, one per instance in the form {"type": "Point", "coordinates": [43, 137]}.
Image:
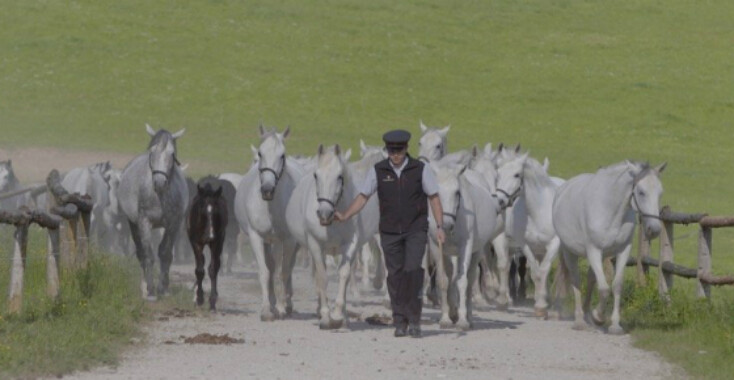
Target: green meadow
{"type": "Point", "coordinates": [585, 83]}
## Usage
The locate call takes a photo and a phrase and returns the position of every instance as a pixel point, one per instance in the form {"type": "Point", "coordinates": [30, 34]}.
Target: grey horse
{"type": "Point", "coordinates": [153, 194]}
{"type": "Point", "coordinates": [594, 216]}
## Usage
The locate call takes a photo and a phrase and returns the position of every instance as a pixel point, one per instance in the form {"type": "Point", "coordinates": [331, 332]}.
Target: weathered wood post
{"type": "Point", "coordinates": [704, 261]}
{"type": "Point", "coordinates": [665, 278]}
{"type": "Point", "coordinates": [72, 207]}
{"type": "Point", "coordinates": [643, 251]}
{"type": "Point", "coordinates": [15, 303]}
{"type": "Point", "coordinates": [22, 218]}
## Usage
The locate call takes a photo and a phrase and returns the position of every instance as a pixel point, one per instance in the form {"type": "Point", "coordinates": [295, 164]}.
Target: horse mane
{"type": "Point", "coordinates": [533, 171]}
{"type": "Point", "coordinates": [162, 136]}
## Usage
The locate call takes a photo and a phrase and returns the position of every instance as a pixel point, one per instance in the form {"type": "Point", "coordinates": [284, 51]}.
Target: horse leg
{"type": "Point", "coordinates": [277, 278]}
{"type": "Point", "coordinates": [472, 276]}
{"type": "Point", "coordinates": [617, 283]}
{"type": "Point", "coordinates": [140, 233]}
{"type": "Point", "coordinates": [443, 285]}
{"type": "Point", "coordinates": [347, 257]}
{"type": "Point", "coordinates": [319, 267]}
{"type": "Point", "coordinates": [215, 249]}
{"type": "Point", "coordinates": [258, 249]}
{"type": "Point", "coordinates": [503, 268]}
{"type": "Point", "coordinates": [165, 255]}
{"type": "Point", "coordinates": [366, 256]}
{"type": "Point", "coordinates": [532, 262]}
{"type": "Point", "coordinates": [378, 281]}
{"type": "Point", "coordinates": [572, 266]}
{"type": "Point", "coordinates": [522, 266]}
{"type": "Point", "coordinates": [595, 263]}
{"type": "Point", "coordinates": [199, 271]}
{"type": "Point", "coordinates": [590, 283]}
{"type": "Point", "coordinates": [290, 249]}
{"type": "Point", "coordinates": [230, 246]}
{"type": "Point", "coordinates": [462, 285]}
{"type": "Point", "coordinates": [541, 291]}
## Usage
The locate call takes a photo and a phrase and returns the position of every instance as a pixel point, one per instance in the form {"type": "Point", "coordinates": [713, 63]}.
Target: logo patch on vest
{"type": "Point", "coordinates": [388, 178]}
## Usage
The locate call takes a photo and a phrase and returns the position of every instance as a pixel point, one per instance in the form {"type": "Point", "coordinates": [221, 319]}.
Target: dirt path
{"type": "Point", "coordinates": [503, 345]}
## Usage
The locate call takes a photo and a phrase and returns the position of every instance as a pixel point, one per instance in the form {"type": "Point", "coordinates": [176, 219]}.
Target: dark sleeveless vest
{"type": "Point", "coordinates": [403, 204]}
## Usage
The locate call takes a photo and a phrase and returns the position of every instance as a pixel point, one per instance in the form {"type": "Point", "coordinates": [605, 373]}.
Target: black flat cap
{"type": "Point", "coordinates": [397, 137]}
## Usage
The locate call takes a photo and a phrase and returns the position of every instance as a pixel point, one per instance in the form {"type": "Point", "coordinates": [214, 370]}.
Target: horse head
{"type": "Point", "coordinates": [448, 177]}
{"type": "Point", "coordinates": [162, 156]}
{"type": "Point", "coordinates": [432, 144]}
{"type": "Point", "coordinates": [206, 206]}
{"type": "Point", "coordinates": [271, 160]}
{"type": "Point", "coordinates": [330, 176]}
{"type": "Point", "coordinates": [646, 192]}
{"type": "Point", "coordinates": [510, 168]}
{"type": "Point", "coordinates": [7, 177]}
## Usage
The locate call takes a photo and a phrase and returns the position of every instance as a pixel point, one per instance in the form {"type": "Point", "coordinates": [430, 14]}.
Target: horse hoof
{"type": "Point", "coordinates": [464, 325]}
{"type": "Point", "coordinates": [615, 330]}
{"type": "Point", "coordinates": [579, 326]}
{"type": "Point", "coordinates": [387, 304]}
{"type": "Point", "coordinates": [444, 324]}
{"type": "Point", "coordinates": [541, 312]}
{"type": "Point", "coordinates": [151, 298]}
{"type": "Point", "coordinates": [594, 318]}
{"type": "Point", "coordinates": [267, 317]}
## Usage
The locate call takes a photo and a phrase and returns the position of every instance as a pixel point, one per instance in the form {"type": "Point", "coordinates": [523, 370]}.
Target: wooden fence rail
{"type": "Point", "coordinates": [667, 269]}
{"type": "Point", "coordinates": [62, 206]}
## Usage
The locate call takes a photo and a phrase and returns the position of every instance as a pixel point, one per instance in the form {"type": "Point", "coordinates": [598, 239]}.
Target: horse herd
{"type": "Point", "coordinates": [495, 202]}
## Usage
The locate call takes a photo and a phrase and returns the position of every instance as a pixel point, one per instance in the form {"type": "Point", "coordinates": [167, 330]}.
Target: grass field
{"type": "Point", "coordinates": [585, 83]}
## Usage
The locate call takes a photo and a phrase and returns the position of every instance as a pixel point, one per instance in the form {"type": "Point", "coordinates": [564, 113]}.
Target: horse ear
{"type": "Point", "coordinates": [517, 148]}
{"type": "Point", "coordinates": [218, 192]}
{"type": "Point", "coordinates": [286, 132]}
{"type": "Point", "coordinates": [149, 129]}
{"type": "Point", "coordinates": [347, 154]}
{"type": "Point", "coordinates": [474, 151]}
{"type": "Point", "coordinates": [178, 134]}
{"type": "Point", "coordinates": [337, 149]}
{"type": "Point", "coordinates": [423, 127]}
{"type": "Point", "coordinates": [362, 147]}
{"type": "Point", "coordinates": [546, 165]}
{"type": "Point", "coordinates": [445, 130]}
{"type": "Point", "coordinates": [488, 149]}
{"type": "Point", "coordinates": [321, 149]}
{"type": "Point", "coordinates": [661, 167]}
{"type": "Point", "coordinates": [261, 128]}
{"type": "Point", "coordinates": [501, 147]}
{"type": "Point", "coordinates": [525, 156]}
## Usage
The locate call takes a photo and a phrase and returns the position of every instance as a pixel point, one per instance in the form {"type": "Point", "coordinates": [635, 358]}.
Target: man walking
{"type": "Point", "coordinates": [404, 189]}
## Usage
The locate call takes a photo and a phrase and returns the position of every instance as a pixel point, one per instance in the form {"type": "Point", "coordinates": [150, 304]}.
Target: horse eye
{"type": "Point", "coordinates": [260, 155]}
{"type": "Point", "coordinates": [315, 176]}
{"type": "Point", "coordinates": [438, 146]}
{"type": "Point", "coordinates": [517, 175]}
{"type": "Point", "coordinates": [640, 193]}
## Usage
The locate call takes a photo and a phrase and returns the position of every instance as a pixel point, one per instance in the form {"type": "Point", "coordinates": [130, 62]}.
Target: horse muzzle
{"type": "Point", "coordinates": [325, 217]}
{"type": "Point", "coordinates": [267, 193]}
{"type": "Point", "coordinates": [652, 228]}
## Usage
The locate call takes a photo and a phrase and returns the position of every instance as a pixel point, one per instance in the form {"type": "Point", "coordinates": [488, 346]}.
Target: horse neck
{"type": "Point", "coordinates": [615, 191]}
{"type": "Point", "coordinates": [538, 189]}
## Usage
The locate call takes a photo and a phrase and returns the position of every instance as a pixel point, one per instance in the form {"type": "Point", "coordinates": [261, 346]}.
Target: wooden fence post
{"type": "Point", "coordinates": [82, 238]}
{"type": "Point", "coordinates": [52, 267]}
{"type": "Point", "coordinates": [643, 250]}
{"type": "Point", "coordinates": [704, 261]}
{"type": "Point", "coordinates": [665, 279]}
{"type": "Point", "coordinates": [15, 303]}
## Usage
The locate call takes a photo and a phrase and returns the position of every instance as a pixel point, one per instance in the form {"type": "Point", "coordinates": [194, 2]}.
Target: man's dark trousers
{"type": "Point", "coordinates": [403, 258]}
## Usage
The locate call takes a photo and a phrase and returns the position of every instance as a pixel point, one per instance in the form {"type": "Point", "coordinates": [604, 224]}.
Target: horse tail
{"type": "Point", "coordinates": [561, 280]}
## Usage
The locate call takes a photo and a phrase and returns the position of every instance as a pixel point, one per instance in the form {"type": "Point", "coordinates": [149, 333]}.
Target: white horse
{"type": "Point", "coordinates": [523, 175]}
{"type": "Point", "coordinates": [116, 227]}
{"type": "Point", "coordinates": [470, 218]}
{"type": "Point", "coordinates": [9, 182]}
{"type": "Point", "coordinates": [89, 180]}
{"type": "Point", "coordinates": [310, 217]}
{"type": "Point", "coordinates": [153, 194]}
{"type": "Point", "coordinates": [594, 216]}
{"type": "Point", "coordinates": [371, 155]}
{"type": "Point", "coordinates": [260, 204]}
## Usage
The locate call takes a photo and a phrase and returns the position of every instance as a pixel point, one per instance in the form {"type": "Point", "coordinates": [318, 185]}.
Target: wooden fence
{"type": "Point", "coordinates": [667, 269]}
{"type": "Point", "coordinates": [67, 243]}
